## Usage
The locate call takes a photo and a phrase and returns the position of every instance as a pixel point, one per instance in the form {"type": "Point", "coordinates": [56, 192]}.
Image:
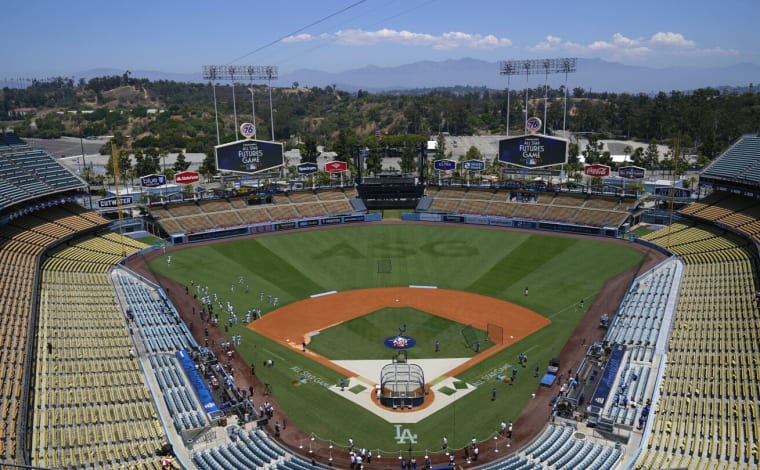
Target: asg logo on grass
{"type": "Point", "coordinates": [404, 436]}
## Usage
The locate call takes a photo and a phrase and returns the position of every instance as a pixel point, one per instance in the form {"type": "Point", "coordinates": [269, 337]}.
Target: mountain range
{"type": "Point", "coordinates": [592, 74]}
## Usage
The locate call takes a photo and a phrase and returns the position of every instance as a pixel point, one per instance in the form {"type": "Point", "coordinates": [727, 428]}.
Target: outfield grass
{"type": "Point", "coordinates": [291, 266]}
{"type": "Point", "coordinates": [363, 337]}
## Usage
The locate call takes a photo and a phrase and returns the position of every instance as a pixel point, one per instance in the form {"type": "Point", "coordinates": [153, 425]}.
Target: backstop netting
{"type": "Point", "coordinates": [401, 385]}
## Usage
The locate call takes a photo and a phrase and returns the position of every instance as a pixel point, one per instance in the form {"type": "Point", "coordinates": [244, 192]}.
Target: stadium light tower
{"type": "Point", "coordinates": [234, 72]}
{"type": "Point", "coordinates": [534, 67]}
{"type": "Point", "coordinates": [211, 72]}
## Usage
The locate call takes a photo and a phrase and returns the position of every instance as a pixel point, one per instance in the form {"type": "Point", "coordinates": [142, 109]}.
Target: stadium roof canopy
{"type": "Point", "coordinates": [737, 170]}
{"type": "Point", "coordinates": [27, 173]}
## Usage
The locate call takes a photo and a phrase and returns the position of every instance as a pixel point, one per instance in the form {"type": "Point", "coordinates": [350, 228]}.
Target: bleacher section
{"type": "Point", "coordinates": [706, 415]}
{"type": "Point", "coordinates": [740, 213]}
{"type": "Point", "coordinates": [91, 406]}
{"type": "Point", "coordinates": [739, 163]}
{"type": "Point", "coordinates": [640, 315]}
{"type": "Point", "coordinates": [21, 244]}
{"type": "Point", "coordinates": [563, 208]}
{"type": "Point", "coordinates": [559, 446]}
{"type": "Point", "coordinates": [210, 215]}
{"type": "Point", "coordinates": [250, 449]}
{"type": "Point", "coordinates": [640, 325]}
{"type": "Point", "coordinates": [27, 173]}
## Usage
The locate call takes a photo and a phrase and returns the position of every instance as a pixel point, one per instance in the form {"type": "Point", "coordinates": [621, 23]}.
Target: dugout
{"type": "Point", "coordinates": [402, 385]}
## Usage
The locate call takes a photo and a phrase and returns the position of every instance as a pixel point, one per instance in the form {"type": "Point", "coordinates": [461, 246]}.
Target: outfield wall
{"type": "Point", "coordinates": [612, 232]}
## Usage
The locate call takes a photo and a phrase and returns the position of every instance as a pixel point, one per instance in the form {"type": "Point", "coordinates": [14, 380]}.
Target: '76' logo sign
{"type": "Point", "coordinates": [248, 130]}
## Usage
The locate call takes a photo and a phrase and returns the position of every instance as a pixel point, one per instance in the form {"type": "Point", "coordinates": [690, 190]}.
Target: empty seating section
{"type": "Point", "coordinates": [560, 213]}
{"type": "Point", "coordinates": [337, 206]}
{"type": "Point", "coordinates": [740, 213]}
{"type": "Point", "coordinates": [639, 317]}
{"type": "Point", "coordinates": [21, 243]}
{"type": "Point", "coordinates": [254, 215]}
{"type": "Point", "coordinates": [559, 446]}
{"type": "Point", "coordinates": [299, 197]}
{"type": "Point", "coordinates": [310, 209]}
{"type": "Point", "coordinates": [250, 449]}
{"type": "Point", "coordinates": [739, 162]}
{"type": "Point", "coordinates": [156, 322]}
{"type": "Point", "coordinates": [530, 210]}
{"type": "Point", "coordinates": [476, 207]}
{"type": "Point", "coordinates": [92, 407]}
{"type": "Point", "coordinates": [279, 212]}
{"type": "Point", "coordinates": [224, 219]}
{"type": "Point", "coordinates": [27, 173]}
{"type": "Point", "coordinates": [562, 208]}
{"type": "Point", "coordinates": [209, 215]}
{"type": "Point", "coordinates": [707, 411]}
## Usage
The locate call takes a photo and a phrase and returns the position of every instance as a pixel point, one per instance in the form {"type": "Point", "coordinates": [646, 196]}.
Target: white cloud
{"type": "Point", "coordinates": [448, 40]}
{"type": "Point", "coordinates": [623, 41]}
{"type": "Point", "coordinates": [658, 44]}
{"type": "Point", "coordinates": [298, 38]}
{"type": "Point", "coordinates": [671, 39]}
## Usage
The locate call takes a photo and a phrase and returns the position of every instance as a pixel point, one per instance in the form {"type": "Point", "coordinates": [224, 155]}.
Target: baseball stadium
{"type": "Point", "coordinates": [503, 327]}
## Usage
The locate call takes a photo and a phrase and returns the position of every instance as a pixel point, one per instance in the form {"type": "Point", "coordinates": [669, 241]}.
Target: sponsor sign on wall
{"type": "Point", "coordinates": [596, 170]}
{"type": "Point", "coordinates": [474, 165]}
{"type": "Point", "coordinates": [110, 202]}
{"type": "Point", "coordinates": [153, 181]}
{"type": "Point", "coordinates": [307, 168]}
{"type": "Point", "coordinates": [187, 177]}
{"type": "Point", "coordinates": [336, 166]}
{"type": "Point", "coordinates": [631, 172]}
{"type": "Point", "coordinates": [444, 165]}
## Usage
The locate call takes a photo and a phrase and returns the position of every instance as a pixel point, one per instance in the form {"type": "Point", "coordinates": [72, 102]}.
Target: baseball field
{"type": "Point", "coordinates": [343, 290]}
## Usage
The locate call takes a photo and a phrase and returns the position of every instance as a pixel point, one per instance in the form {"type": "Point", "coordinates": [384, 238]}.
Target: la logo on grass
{"type": "Point", "coordinates": [405, 435]}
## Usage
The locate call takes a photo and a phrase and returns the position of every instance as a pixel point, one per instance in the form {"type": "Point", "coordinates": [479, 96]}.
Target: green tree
{"type": "Point", "coordinates": [440, 151]}
{"type": "Point", "coordinates": [208, 166]}
{"type": "Point", "coordinates": [124, 162]}
{"type": "Point", "coordinates": [473, 154]}
{"type": "Point", "coordinates": [309, 152]}
{"type": "Point", "coordinates": [651, 157]}
{"type": "Point", "coordinates": [593, 150]}
{"type": "Point", "coordinates": [180, 164]}
{"type": "Point", "coordinates": [408, 162]}
{"type": "Point", "coordinates": [374, 161]}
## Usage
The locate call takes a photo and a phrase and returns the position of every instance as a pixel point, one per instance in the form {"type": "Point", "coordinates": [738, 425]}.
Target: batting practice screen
{"type": "Point", "coordinates": [249, 156]}
{"type": "Point", "coordinates": [533, 151]}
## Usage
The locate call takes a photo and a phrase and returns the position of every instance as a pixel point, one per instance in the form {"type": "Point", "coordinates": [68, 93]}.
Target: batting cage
{"type": "Point", "coordinates": [402, 385]}
{"type": "Point", "coordinates": [472, 336]}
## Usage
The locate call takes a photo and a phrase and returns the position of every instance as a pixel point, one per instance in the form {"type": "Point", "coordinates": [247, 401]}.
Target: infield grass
{"type": "Point", "coordinates": [363, 337]}
{"type": "Point", "coordinates": [292, 266]}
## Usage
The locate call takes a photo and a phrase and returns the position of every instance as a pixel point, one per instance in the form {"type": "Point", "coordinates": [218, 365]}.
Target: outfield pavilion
{"type": "Point", "coordinates": [72, 397]}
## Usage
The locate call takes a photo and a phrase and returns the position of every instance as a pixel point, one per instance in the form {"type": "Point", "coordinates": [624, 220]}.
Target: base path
{"type": "Point", "coordinates": [294, 323]}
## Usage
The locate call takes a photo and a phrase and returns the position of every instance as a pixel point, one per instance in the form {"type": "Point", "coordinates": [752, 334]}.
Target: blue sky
{"type": "Point", "coordinates": [41, 38]}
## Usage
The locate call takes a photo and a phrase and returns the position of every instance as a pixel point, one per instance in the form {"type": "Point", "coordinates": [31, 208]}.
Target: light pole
{"type": "Point", "coordinates": [211, 72]}
{"type": "Point", "coordinates": [532, 67]}
{"type": "Point", "coordinates": [233, 72]}
{"type": "Point", "coordinates": [253, 111]}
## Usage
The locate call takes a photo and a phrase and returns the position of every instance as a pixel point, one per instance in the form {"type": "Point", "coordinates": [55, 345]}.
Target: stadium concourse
{"type": "Point", "coordinates": [100, 370]}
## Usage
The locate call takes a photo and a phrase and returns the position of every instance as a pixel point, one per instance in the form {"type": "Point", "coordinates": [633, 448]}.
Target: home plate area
{"type": "Point", "coordinates": [442, 390]}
